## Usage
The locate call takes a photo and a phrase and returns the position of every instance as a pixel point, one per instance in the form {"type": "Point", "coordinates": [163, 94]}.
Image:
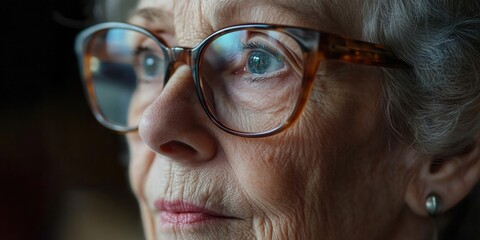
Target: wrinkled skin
{"type": "Point", "coordinates": [337, 173]}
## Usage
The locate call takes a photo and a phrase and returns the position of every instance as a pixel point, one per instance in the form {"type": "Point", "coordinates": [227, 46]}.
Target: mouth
{"type": "Point", "coordinates": [180, 213]}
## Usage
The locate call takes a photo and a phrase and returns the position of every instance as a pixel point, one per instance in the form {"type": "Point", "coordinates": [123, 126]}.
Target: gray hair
{"type": "Point", "coordinates": [436, 104]}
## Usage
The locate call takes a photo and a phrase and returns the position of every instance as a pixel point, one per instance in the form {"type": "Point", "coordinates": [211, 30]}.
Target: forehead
{"type": "Point", "coordinates": [219, 4]}
{"type": "Point", "coordinates": [328, 15]}
{"type": "Point", "coordinates": [166, 5]}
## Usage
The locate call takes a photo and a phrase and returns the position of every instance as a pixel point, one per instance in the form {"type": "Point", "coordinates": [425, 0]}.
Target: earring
{"type": "Point", "coordinates": [432, 205]}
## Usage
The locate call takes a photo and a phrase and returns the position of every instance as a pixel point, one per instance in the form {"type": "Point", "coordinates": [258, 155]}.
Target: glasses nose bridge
{"type": "Point", "coordinates": [180, 55]}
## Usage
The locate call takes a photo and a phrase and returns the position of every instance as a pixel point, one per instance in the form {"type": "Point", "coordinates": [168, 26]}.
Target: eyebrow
{"type": "Point", "coordinates": [319, 15]}
{"type": "Point", "coordinates": [151, 14]}
{"type": "Point", "coordinates": [311, 13]}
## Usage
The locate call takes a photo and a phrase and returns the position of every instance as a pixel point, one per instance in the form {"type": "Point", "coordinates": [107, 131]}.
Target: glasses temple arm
{"type": "Point", "coordinates": [360, 52]}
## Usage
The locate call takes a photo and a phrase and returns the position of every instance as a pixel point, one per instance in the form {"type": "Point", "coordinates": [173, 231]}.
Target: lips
{"type": "Point", "coordinates": [183, 213]}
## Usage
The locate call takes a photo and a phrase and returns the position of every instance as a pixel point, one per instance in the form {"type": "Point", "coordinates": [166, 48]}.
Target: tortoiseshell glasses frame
{"type": "Point", "coordinates": [315, 46]}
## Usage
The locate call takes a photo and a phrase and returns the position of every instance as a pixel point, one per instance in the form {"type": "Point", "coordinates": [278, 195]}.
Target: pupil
{"type": "Point", "coordinates": [258, 62]}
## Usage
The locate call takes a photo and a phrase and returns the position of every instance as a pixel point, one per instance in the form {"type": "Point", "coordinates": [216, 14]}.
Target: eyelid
{"type": "Point", "coordinates": [146, 44]}
{"type": "Point", "coordinates": [140, 49]}
{"type": "Point", "coordinates": [259, 45]}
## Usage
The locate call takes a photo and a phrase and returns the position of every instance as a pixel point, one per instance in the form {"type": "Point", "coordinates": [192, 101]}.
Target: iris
{"type": "Point", "coordinates": [151, 65]}
{"type": "Point", "coordinates": [261, 62]}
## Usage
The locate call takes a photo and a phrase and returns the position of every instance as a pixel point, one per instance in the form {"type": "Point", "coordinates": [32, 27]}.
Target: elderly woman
{"type": "Point", "coordinates": [300, 119]}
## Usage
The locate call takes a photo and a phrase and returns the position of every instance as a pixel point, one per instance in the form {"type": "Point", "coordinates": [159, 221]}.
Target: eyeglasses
{"type": "Point", "coordinates": [252, 80]}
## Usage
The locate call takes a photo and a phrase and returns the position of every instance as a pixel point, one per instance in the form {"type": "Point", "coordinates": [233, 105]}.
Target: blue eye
{"type": "Point", "coordinates": [262, 62]}
{"type": "Point", "coordinates": [151, 65]}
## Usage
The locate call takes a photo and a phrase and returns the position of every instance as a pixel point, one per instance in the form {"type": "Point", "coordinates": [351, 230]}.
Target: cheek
{"type": "Point", "coordinates": [274, 173]}
{"type": "Point", "coordinates": [141, 159]}
{"type": "Point", "coordinates": [284, 181]}
{"type": "Point", "coordinates": [296, 171]}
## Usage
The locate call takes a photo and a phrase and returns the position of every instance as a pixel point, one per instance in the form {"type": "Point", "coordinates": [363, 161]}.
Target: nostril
{"type": "Point", "coordinates": [176, 148]}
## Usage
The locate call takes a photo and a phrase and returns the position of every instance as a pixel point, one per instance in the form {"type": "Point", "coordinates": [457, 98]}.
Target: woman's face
{"type": "Point", "coordinates": [335, 169]}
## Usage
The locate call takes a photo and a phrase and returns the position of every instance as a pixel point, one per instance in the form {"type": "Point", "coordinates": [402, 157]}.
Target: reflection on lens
{"type": "Point", "coordinates": [252, 79]}
{"type": "Point", "coordinates": [121, 62]}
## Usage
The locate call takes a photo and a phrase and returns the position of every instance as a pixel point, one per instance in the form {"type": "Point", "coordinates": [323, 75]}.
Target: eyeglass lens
{"type": "Point", "coordinates": [250, 79]}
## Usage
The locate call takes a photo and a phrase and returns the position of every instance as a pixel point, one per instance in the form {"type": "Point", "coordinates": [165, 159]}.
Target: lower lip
{"type": "Point", "coordinates": [179, 213]}
{"type": "Point", "coordinates": [187, 218]}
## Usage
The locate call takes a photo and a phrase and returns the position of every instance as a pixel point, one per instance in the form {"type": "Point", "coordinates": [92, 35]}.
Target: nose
{"type": "Point", "coordinates": [174, 124]}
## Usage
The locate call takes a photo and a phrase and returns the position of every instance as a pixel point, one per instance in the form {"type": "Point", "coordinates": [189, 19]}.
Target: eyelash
{"type": "Point", "coordinates": [139, 50]}
{"type": "Point", "coordinates": [262, 46]}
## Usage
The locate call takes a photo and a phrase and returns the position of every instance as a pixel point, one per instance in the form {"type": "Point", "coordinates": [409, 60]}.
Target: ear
{"type": "Point", "coordinates": [450, 178]}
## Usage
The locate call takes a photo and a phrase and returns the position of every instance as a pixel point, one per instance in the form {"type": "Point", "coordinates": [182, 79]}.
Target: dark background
{"type": "Point", "coordinates": [62, 175]}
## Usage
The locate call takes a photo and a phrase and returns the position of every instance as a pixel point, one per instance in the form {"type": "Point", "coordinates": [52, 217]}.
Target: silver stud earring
{"type": "Point", "coordinates": [432, 205]}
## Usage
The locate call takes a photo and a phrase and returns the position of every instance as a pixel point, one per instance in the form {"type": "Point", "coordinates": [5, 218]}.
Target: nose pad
{"type": "Point", "coordinates": [179, 56]}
